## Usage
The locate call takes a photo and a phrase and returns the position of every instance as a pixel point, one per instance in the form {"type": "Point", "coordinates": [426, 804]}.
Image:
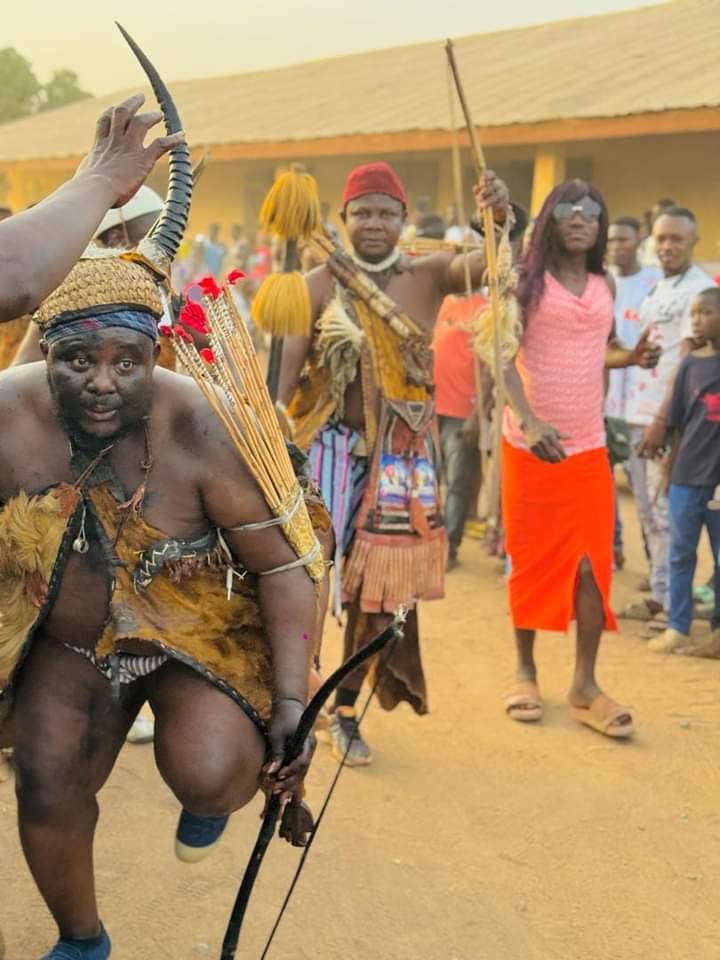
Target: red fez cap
{"type": "Point", "coordinates": [373, 178]}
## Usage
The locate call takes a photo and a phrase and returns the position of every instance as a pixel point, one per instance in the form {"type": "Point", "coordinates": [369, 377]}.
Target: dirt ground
{"type": "Point", "coordinates": [470, 838]}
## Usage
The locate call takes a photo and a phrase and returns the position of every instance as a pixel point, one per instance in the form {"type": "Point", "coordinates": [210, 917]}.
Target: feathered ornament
{"type": "Point", "coordinates": [505, 322]}
{"type": "Point", "coordinates": [230, 378]}
{"type": "Point", "coordinates": [339, 344]}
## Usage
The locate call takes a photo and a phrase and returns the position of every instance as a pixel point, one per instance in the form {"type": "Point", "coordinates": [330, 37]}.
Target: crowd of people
{"type": "Point", "coordinates": [142, 560]}
{"type": "Point", "coordinates": [659, 295]}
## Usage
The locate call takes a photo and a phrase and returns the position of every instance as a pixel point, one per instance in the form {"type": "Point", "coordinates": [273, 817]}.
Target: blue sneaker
{"type": "Point", "coordinates": [195, 836]}
{"type": "Point", "coordinates": [96, 949]}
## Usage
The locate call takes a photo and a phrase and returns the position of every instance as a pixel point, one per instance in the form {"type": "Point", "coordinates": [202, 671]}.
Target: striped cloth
{"type": "Point", "coordinates": [341, 477]}
{"type": "Point", "coordinates": [130, 666]}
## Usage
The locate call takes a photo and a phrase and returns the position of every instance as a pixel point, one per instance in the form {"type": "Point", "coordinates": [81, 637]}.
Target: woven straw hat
{"type": "Point", "coordinates": [102, 278]}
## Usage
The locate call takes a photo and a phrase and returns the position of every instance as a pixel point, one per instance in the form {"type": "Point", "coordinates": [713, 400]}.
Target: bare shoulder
{"type": "Point", "coordinates": [193, 423]}
{"type": "Point", "coordinates": [320, 285]}
{"type": "Point", "coordinates": [27, 418]}
{"type": "Point", "coordinates": [24, 393]}
{"type": "Point", "coordinates": [610, 281]}
{"type": "Point", "coordinates": [181, 404]}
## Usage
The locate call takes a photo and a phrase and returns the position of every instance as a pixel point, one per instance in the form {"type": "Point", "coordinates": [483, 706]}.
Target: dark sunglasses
{"type": "Point", "coordinates": [588, 209]}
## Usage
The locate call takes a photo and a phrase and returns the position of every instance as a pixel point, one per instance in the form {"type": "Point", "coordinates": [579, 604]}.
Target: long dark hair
{"type": "Point", "coordinates": [543, 241]}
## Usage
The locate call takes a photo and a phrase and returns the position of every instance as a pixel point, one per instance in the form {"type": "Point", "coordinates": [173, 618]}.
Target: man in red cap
{"type": "Point", "coordinates": [358, 393]}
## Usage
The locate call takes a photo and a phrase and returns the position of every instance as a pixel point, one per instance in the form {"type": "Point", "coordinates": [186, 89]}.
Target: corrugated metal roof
{"type": "Point", "coordinates": [652, 59]}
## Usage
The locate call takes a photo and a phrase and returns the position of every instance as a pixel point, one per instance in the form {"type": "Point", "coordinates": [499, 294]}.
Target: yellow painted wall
{"type": "Point", "coordinates": [632, 174]}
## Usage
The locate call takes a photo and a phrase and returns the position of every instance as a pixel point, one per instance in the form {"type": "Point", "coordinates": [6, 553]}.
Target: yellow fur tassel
{"type": "Point", "coordinates": [282, 306]}
{"type": "Point", "coordinates": [483, 326]}
{"type": "Point", "coordinates": [31, 530]}
{"type": "Point", "coordinates": [291, 209]}
{"type": "Point", "coordinates": [510, 319]}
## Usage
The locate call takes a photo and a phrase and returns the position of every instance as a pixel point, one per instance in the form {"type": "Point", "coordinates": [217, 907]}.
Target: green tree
{"type": "Point", "coordinates": [62, 88]}
{"type": "Point", "coordinates": [19, 87]}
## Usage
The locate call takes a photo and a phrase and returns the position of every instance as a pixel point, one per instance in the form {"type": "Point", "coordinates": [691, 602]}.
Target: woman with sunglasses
{"type": "Point", "coordinates": [557, 487]}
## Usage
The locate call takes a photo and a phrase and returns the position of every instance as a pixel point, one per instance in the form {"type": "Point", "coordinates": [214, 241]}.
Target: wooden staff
{"type": "Point", "coordinates": [490, 263]}
{"type": "Point", "coordinates": [460, 205]}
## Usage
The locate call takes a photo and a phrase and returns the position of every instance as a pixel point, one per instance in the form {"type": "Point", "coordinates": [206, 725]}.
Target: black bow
{"type": "Point", "coordinates": [293, 750]}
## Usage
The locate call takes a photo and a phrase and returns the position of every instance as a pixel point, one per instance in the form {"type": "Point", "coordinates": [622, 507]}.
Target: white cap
{"type": "Point", "coordinates": [145, 201]}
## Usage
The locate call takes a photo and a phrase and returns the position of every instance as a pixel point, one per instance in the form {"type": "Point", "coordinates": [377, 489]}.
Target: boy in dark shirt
{"type": "Point", "coordinates": [694, 469]}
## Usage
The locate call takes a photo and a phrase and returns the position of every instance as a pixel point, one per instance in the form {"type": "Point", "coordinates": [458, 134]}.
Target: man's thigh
{"type": "Point", "coordinates": [67, 729]}
{"type": "Point", "coordinates": [205, 743]}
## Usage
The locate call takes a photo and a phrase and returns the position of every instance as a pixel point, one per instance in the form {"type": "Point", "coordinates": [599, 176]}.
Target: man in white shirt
{"type": "Point", "coordinates": [666, 313]}
{"type": "Point", "coordinates": [647, 254]}
{"type": "Point", "coordinates": [633, 283]}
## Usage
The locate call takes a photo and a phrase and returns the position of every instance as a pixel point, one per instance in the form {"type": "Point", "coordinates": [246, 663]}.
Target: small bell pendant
{"type": "Point", "coordinates": [80, 544]}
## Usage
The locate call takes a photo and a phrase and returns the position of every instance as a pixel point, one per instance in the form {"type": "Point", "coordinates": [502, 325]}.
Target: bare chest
{"type": "Point", "coordinates": [414, 294]}
{"type": "Point", "coordinates": [160, 477]}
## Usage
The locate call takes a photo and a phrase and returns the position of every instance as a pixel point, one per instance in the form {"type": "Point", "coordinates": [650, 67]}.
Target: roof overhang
{"type": "Point", "coordinates": [699, 120]}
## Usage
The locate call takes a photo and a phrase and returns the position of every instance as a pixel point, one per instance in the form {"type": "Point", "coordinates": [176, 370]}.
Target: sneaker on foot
{"type": "Point", "coordinates": [195, 836]}
{"type": "Point", "coordinates": [346, 738]}
{"type": "Point", "coordinates": [142, 730]}
{"type": "Point", "coordinates": [669, 641]}
{"type": "Point", "coordinates": [98, 948]}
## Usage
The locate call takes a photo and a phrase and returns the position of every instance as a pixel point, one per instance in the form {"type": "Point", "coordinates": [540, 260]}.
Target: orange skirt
{"type": "Point", "coordinates": [555, 514]}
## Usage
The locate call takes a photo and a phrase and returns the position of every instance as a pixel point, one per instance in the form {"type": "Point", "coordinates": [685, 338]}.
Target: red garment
{"type": "Point", "coordinates": [373, 178]}
{"type": "Point", "coordinates": [455, 393]}
{"type": "Point", "coordinates": [554, 515]}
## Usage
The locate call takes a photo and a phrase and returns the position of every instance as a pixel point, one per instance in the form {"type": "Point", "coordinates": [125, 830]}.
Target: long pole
{"type": "Point", "coordinates": [460, 206]}
{"type": "Point", "coordinates": [490, 263]}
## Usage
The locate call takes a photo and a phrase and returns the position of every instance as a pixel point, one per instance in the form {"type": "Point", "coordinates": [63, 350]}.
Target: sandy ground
{"type": "Point", "coordinates": [470, 838]}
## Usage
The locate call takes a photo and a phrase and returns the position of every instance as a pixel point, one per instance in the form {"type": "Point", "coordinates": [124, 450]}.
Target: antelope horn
{"type": "Point", "coordinates": [161, 244]}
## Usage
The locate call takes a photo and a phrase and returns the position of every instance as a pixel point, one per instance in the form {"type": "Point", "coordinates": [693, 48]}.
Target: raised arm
{"type": "Point", "coordinates": [39, 246]}
{"type": "Point", "coordinates": [490, 191]}
{"type": "Point", "coordinates": [29, 350]}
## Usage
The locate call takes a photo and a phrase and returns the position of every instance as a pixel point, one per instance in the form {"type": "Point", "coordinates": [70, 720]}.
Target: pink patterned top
{"type": "Point", "coordinates": [561, 362]}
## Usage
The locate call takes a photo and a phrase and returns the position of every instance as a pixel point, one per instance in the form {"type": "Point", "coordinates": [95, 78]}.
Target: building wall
{"type": "Point", "coordinates": [632, 173]}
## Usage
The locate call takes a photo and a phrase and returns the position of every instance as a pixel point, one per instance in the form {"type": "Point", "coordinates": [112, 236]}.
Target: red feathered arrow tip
{"type": "Point", "coordinates": [165, 330]}
{"type": "Point", "coordinates": [207, 355]}
{"type": "Point", "coordinates": [235, 275]}
{"type": "Point", "coordinates": [183, 334]}
{"type": "Point", "coordinates": [192, 315]}
{"type": "Point", "coordinates": [209, 287]}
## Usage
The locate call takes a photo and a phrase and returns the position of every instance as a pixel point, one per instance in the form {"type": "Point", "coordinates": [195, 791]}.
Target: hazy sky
{"type": "Point", "coordinates": [193, 38]}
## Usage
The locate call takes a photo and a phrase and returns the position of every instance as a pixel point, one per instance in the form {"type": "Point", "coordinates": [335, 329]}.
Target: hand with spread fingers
{"type": "Point", "coordinates": [491, 191]}
{"type": "Point", "coordinates": [544, 441]}
{"type": "Point", "coordinates": [119, 153]}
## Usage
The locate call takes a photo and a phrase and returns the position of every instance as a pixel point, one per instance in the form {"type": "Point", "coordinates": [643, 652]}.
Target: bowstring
{"type": "Point", "coordinates": [386, 657]}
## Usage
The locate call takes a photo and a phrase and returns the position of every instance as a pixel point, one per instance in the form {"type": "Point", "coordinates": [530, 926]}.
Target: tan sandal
{"type": "Point", "coordinates": [603, 715]}
{"type": "Point", "coordinates": [523, 702]}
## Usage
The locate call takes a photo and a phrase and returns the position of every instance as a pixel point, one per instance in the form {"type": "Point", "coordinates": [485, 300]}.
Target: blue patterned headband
{"type": "Point", "coordinates": [139, 320]}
